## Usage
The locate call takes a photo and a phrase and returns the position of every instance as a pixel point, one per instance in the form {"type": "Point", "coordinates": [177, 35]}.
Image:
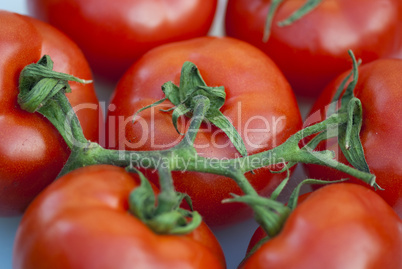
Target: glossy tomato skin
{"type": "Point", "coordinates": [32, 152]}
{"type": "Point", "coordinates": [339, 226]}
{"type": "Point", "coordinates": [82, 222]}
{"type": "Point", "coordinates": [114, 34]}
{"type": "Point", "coordinates": [313, 51]}
{"type": "Point", "coordinates": [259, 102]}
{"type": "Point", "coordinates": [379, 89]}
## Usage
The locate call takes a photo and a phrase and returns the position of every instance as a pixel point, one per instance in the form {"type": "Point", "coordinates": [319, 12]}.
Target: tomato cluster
{"type": "Point", "coordinates": [88, 217]}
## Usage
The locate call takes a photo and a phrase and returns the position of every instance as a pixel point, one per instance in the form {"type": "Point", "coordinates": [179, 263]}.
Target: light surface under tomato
{"type": "Point", "coordinates": [31, 151]}
{"type": "Point", "coordinates": [82, 222]}
{"type": "Point", "coordinates": [313, 50]}
{"type": "Point", "coordinates": [259, 103]}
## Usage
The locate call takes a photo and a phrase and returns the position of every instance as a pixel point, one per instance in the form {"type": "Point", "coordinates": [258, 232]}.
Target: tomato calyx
{"type": "Point", "coordinates": [41, 76]}
{"type": "Point", "coordinates": [348, 133]}
{"type": "Point", "coordinates": [270, 213]}
{"type": "Point", "coordinates": [164, 216]}
{"type": "Point", "coordinates": [298, 14]}
{"type": "Point", "coordinates": [38, 84]}
{"type": "Point", "coordinates": [191, 85]}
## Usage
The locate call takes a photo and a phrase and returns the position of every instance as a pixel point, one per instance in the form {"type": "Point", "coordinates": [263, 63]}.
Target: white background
{"type": "Point", "coordinates": [234, 239]}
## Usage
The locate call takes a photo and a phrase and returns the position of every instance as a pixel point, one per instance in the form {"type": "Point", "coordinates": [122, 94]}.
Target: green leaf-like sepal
{"type": "Point", "coordinates": [305, 9]}
{"type": "Point", "coordinates": [182, 97]}
{"type": "Point", "coordinates": [165, 216]}
{"type": "Point", "coordinates": [298, 14]}
{"type": "Point", "coordinates": [142, 199]}
{"type": "Point", "coordinates": [38, 83]}
{"type": "Point", "coordinates": [349, 137]}
{"type": "Point", "coordinates": [294, 196]}
{"type": "Point", "coordinates": [349, 133]}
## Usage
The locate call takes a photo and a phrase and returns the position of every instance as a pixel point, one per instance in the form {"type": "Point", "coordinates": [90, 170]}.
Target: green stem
{"type": "Point", "coordinates": [66, 121]}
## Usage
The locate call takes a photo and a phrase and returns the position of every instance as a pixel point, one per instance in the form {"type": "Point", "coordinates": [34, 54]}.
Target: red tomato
{"type": "Point", "coordinates": [313, 50]}
{"type": "Point", "coordinates": [339, 226]}
{"type": "Point", "coordinates": [114, 34]}
{"type": "Point", "coordinates": [32, 152]}
{"type": "Point", "coordinates": [82, 221]}
{"type": "Point", "coordinates": [259, 103]}
{"type": "Point", "coordinates": [379, 89]}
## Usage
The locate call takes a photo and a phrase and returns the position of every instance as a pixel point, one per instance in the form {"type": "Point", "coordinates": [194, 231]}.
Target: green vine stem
{"type": "Point", "coordinates": [167, 216]}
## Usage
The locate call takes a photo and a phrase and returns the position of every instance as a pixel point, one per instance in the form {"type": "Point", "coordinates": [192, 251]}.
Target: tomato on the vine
{"type": "Point", "coordinates": [259, 103]}
{"type": "Point", "coordinates": [81, 221]}
{"type": "Point", "coordinates": [32, 153]}
{"type": "Point", "coordinates": [379, 89]}
{"type": "Point", "coordinates": [113, 34]}
{"type": "Point", "coordinates": [341, 225]}
{"type": "Point", "coordinates": [313, 50]}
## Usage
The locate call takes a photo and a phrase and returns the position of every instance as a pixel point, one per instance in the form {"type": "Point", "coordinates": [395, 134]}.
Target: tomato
{"type": "Point", "coordinates": [313, 50]}
{"type": "Point", "coordinates": [82, 221]}
{"type": "Point", "coordinates": [114, 34]}
{"type": "Point", "coordinates": [32, 152]}
{"type": "Point", "coordinates": [379, 89]}
{"type": "Point", "coordinates": [339, 226]}
{"type": "Point", "coordinates": [259, 103]}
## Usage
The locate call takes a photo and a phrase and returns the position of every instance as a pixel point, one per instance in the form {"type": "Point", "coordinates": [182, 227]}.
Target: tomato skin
{"type": "Point", "coordinates": [113, 35]}
{"type": "Point", "coordinates": [378, 88]}
{"type": "Point", "coordinates": [82, 221]}
{"type": "Point", "coordinates": [241, 69]}
{"type": "Point", "coordinates": [32, 152]}
{"type": "Point", "coordinates": [338, 226]}
{"type": "Point", "coordinates": [313, 51]}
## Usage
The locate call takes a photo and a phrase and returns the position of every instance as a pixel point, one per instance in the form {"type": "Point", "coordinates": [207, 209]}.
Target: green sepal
{"type": "Point", "coordinates": [305, 9]}
{"type": "Point", "coordinates": [294, 196]}
{"type": "Point", "coordinates": [179, 111]}
{"type": "Point", "coordinates": [278, 190]}
{"type": "Point", "coordinates": [274, 215]}
{"type": "Point", "coordinates": [164, 216]}
{"type": "Point", "coordinates": [268, 20]}
{"type": "Point", "coordinates": [38, 83]}
{"type": "Point", "coordinates": [349, 137]}
{"type": "Point", "coordinates": [349, 133]}
{"type": "Point", "coordinates": [255, 200]}
{"type": "Point", "coordinates": [182, 97]}
{"type": "Point", "coordinates": [148, 106]}
{"type": "Point", "coordinates": [298, 14]}
{"type": "Point", "coordinates": [142, 199]}
{"type": "Point", "coordinates": [220, 121]}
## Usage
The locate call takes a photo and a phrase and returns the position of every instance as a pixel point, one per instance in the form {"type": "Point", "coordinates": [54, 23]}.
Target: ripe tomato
{"type": "Point", "coordinates": [259, 103]}
{"type": "Point", "coordinates": [379, 89]}
{"type": "Point", "coordinates": [339, 226]}
{"type": "Point", "coordinates": [114, 34]}
{"type": "Point", "coordinates": [82, 221]}
{"type": "Point", "coordinates": [313, 50]}
{"type": "Point", "coordinates": [32, 153]}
